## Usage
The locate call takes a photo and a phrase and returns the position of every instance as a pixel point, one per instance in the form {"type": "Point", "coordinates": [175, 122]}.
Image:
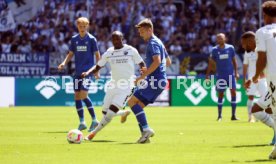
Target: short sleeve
{"type": "Point", "coordinates": [103, 60]}
{"type": "Point", "coordinates": [245, 59]}
{"type": "Point", "coordinates": [154, 49]}
{"type": "Point", "coordinates": [137, 58]}
{"type": "Point", "coordinates": [260, 41]}
{"type": "Point", "coordinates": [94, 45]}
{"type": "Point", "coordinates": [233, 53]}
{"type": "Point", "coordinates": [71, 45]}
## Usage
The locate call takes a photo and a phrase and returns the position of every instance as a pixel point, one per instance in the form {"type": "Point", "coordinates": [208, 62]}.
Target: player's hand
{"type": "Point", "coordinates": [97, 75]}
{"type": "Point", "coordinates": [207, 79]}
{"type": "Point", "coordinates": [247, 84]}
{"type": "Point", "coordinates": [139, 80]}
{"type": "Point", "coordinates": [237, 76]}
{"type": "Point", "coordinates": [61, 66]}
{"type": "Point", "coordinates": [84, 74]}
{"type": "Point", "coordinates": [143, 70]}
{"type": "Point", "coordinates": [255, 79]}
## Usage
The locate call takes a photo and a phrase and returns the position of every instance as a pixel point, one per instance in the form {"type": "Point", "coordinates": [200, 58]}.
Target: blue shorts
{"type": "Point", "coordinates": [81, 83]}
{"type": "Point", "coordinates": [224, 82]}
{"type": "Point", "coordinates": [149, 94]}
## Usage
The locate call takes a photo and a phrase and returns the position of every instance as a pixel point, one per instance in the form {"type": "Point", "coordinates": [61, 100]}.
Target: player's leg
{"type": "Point", "coordinates": [250, 102]}
{"type": "Point", "coordinates": [232, 86]}
{"type": "Point", "coordinates": [137, 106]}
{"type": "Point", "coordinates": [272, 89]}
{"type": "Point", "coordinates": [111, 112]}
{"type": "Point", "coordinates": [78, 102]}
{"type": "Point", "coordinates": [85, 84]}
{"type": "Point", "coordinates": [269, 111]}
{"type": "Point", "coordinates": [88, 103]}
{"type": "Point", "coordinates": [264, 116]}
{"type": "Point", "coordinates": [220, 104]}
{"type": "Point", "coordinates": [233, 104]}
{"type": "Point", "coordinates": [117, 102]}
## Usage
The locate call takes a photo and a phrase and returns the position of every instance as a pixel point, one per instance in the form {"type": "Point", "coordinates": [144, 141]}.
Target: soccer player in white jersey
{"type": "Point", "coordinates": [260, 109]}
{"type": "Point", "coordinates": [266, 48]}
{"type": "Point", "coordinates": [249, 68]}
{"type": "Point", "coordinates": [122, 59]}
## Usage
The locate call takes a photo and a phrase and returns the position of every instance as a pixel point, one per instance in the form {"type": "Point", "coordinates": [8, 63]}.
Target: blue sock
{"type": "Point", "coordinates": [220, 103]}
{"type": "Point", "coordinates": [140, 128]}
{"type": "Point", "coordinates": [79, 110]}
{"type": "Point", "coordinates": [233, 104]}
{"type": "Point", "coordinates": [90, 108]}
{"type": "Point", "coordinates": [140, 116]}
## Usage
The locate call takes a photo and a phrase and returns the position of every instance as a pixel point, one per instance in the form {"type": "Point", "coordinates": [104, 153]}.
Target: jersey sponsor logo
{"type": "Point", "coordinates": [81, 48]}
{"type": "Point", "coordinates": [223, 56]}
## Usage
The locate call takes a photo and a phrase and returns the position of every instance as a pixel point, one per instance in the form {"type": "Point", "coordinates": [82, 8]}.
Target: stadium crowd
{"type": "Point", "coordinates": [183, 25]}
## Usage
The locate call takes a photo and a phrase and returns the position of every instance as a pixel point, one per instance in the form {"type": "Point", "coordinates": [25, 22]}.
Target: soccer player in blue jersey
{"type": "Point", "coordinates": [226, 72]}
{"type": "Point", "coordinates": [154, 75]}
{"type": "Point", "coordinates": [84, 47]}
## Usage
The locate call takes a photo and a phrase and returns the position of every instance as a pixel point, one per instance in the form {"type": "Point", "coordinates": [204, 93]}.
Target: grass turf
{"type": "Point", "coordinates": [183, 135]}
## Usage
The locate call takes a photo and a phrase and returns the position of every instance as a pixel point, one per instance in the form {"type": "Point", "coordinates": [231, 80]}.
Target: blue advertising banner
{"type": "Point", "coordinates": [36, 64]}
{"type": "Point", "coordinates": [54, 91]}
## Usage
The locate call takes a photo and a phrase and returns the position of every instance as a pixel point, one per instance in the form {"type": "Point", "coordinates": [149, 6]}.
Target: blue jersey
{"type": "Point", "coordinates": [156, 47]}
{"type": "Point", "coordinates": [83, 49]}
{"type": "Point", "coordinates": [223, 58]}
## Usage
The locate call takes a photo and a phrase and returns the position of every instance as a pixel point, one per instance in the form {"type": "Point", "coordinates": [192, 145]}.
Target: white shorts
{"type": "Point", "coordinates": [117, 97]}
{"type": "Point", "coordinates": [257, 89]}
{"type": "Point", "coordinates": [269, 99]}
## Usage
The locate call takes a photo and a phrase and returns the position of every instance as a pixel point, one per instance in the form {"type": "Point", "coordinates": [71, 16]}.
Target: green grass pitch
{"type": "Point", "coordinates": [183, 135]}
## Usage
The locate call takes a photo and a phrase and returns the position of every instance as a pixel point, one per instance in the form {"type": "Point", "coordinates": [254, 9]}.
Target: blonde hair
{"type": "Point", "coordinates": [83, 20]}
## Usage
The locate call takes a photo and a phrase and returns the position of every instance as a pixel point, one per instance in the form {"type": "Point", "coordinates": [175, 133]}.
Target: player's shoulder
{"type": "Point", "coordinates": [90, 36]}
{"type": "Point", "coordinates": [129, 47]}
{"type": "Point", "coordinates": [155, 41]}
{"type": "Point", "coordinates": [109, 51]}
{"type": "Point", "coordinates": [229, 46]}
{"type": "Point", "coordinates": [74, 37]}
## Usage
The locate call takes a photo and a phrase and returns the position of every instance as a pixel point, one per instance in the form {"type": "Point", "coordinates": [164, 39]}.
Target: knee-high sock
{"type": "Point", "coordinates": [79, 110]}
{"type": "Point", "coordinates": [140, 116]}
{"type": "Point", "coordinates": [249, 107]}
{"type": "Point", "coordinates": [105, 120]}
{"type": "Point", "coordinates": [90, 108]}
{"type": "Point", "coordinates": [265, 118]}
{"type": "Point", "coordinates": [233, 104]}
{"type": "Point", "coordinates": [220, 103]}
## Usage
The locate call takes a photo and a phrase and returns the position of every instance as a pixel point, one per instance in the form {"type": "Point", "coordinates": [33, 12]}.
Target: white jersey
{"type": "Point", "coordinates": [266, 42]}
{"type": "Point", "coordinates": [122, 62]}
{"type": "Point", "coordinates": [250, 59]}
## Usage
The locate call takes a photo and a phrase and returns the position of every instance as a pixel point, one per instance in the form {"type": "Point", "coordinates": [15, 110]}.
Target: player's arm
{"type": "Point", "coordinates": [261, 50]}
{"type": "Point", "coordinates": [66, 60]}
{"type": "Point", "coordinates": [168, 61]}
{"type": "Point", "coordinates": [245, 68]}
{"type": "Point", "coordinates": [154, 65]}
{"type": "Point", "coordinates": [234, 61]}
{"type": "Point", "coordinates": [211, 63]}
{"type": "Point", "coordinates": [92, 70]}
{"type": "Point", "coordinates": [98, 56]}
{"type": "Point", "coordinates": [260, 65]}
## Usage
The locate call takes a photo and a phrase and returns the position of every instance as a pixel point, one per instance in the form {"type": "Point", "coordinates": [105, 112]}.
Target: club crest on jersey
{"type": "Point", "coordinates": [125, 53]}
{"type": "Point", "coordinates": [86, 42]}
{"type": "Point", "coordinates": [77, 42]}
{"type": "Point", "coordinates": [274, 35]}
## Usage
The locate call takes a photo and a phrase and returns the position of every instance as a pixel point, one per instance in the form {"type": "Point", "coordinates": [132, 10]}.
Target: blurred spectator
{"type": "Point", "coordinates": [184, 26]}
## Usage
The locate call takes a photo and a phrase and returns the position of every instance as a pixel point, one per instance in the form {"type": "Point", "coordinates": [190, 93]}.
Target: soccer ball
{"type": "Point", "coordinates": [74, 136]}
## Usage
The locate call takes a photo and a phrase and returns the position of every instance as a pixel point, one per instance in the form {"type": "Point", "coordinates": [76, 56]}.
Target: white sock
{"type": "Point", "coordinates": [120, 112]}
{"type": "Point", "coordinates": [249, 107]}
{"type": "Point", "coordinates": [105, 120]}
{"type": "Point", "coordinates": [265, 118]}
